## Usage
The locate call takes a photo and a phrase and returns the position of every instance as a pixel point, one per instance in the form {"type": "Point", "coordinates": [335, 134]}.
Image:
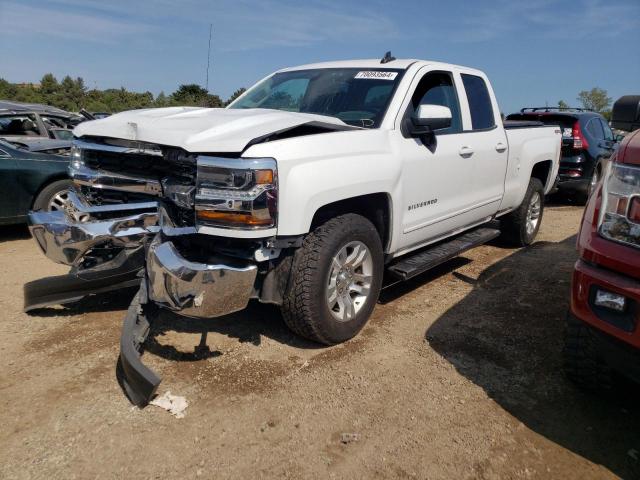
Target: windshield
{"type": "Point", "coordinates": [355, 96]}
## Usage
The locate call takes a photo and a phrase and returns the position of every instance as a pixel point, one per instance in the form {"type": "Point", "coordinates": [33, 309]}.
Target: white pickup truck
{"type": "Point", "coordinates": [302, 193]}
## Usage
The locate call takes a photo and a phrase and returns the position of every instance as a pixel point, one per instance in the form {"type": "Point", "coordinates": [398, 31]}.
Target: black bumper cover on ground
{"type": "Point", "coordinates": [138, 381]}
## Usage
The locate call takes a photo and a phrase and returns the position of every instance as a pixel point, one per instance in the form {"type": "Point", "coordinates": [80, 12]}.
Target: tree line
{"type": "Point", "coordinates": [596, 99]}
{"type": "Point", "coordinates": [72, 94]}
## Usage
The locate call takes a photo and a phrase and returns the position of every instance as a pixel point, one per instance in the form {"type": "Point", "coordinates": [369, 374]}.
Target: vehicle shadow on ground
{"type": "Point", "coordinates": [14, 232]}
{"type": "Point", "coordinates": [506, 337]}
{"type": "Point", "coordinates": [258, 321]}
{"type": "Point", "coordinates": [251, 325]}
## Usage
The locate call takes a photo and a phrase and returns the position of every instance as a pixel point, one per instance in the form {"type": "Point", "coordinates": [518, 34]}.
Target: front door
{"type": "Point", "coordinates": [437, 177]}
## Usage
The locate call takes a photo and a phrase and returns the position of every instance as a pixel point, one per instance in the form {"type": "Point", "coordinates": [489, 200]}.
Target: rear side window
{"type": "Point", "coordinates": [594, 127]}
{"type": "Point", "coordinates": [479, 102]}
{"type": "Point", "coordinates": [608, 134]}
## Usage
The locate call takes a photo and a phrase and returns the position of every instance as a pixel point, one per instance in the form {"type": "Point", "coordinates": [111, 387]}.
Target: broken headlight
{"type": "Point", "coordinates": [236, 193]}
{"type": "Point", "coordinates": [620, 211]}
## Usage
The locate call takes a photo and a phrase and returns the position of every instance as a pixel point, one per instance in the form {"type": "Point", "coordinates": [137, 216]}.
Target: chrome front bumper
{"type": "Point", "coordinates": [202, 290]}
{"type": "Point", "coordinates": [66, 237]}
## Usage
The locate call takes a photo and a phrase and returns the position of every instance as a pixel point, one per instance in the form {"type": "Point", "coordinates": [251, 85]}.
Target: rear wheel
{"type": "Point", "coordinates": [582, 362]}
{"type": "Point", "coordinates": [335, 280]}
{"type": "Point", "coordinates": [595, 178]}
{"type": "Point", "coordinates": [54, 197]}
{"type": "Point", "coordinates": [521, 226]}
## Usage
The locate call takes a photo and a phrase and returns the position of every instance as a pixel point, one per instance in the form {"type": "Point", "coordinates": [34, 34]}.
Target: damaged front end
{"type": "Point", "coordinates": [112, 211]}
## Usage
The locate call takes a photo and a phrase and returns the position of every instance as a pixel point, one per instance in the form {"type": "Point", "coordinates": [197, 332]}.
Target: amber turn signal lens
{"type": "Point", "coordinates": [233, 218]}
{"type": "Point", "coordinates": [264, 177]}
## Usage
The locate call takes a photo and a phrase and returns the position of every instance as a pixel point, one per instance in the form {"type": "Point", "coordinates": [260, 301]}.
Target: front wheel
{"type": "Point", "coordinates": [521, 226]}
{"type": "Point", "coordinates": [335, 280]}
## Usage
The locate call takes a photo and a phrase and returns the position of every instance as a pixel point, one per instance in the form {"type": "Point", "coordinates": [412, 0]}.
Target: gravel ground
{"type": "Point", "coordinates": [457, 375]}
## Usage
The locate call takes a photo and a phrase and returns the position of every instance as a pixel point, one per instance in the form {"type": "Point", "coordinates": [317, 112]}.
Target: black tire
{"type": "Point", "coordinates": [49, 192]}
{"type": "Point", "coordinates": [582, 362]}
{"type": "Point", "coordinates": [513, 226]}
{"type": "Point", "coordinates": [305, 308]}
{"type": "Point", "coordinates": [583, 197]}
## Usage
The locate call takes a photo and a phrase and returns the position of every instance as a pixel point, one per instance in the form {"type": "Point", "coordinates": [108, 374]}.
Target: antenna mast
{"type": "Point", "coordinates": [209, 56]}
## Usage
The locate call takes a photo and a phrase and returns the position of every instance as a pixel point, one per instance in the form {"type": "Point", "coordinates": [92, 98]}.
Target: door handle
{"type": "Point", "coordinates": [500, 147]}
{"type": "Point", "coordinates": [465, 152]}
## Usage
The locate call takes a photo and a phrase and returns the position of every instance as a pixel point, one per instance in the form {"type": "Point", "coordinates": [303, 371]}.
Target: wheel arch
{"type": "Point", "coordinates": [542, 171]}
{"type": "Point", "coordinates": [375, 207]}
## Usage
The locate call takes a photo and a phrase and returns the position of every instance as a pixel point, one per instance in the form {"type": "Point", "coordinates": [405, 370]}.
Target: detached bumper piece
{"type": "Point", "coordinates": [102, 244]}
{"type": "Point", "coordinates": [193, 289]}
{"type": "Point", "coordinates": [138, 381]}
{"type": "Point", "coordinates": [124, 272]}
{"type": "Point", "coordinates": [66, 237]}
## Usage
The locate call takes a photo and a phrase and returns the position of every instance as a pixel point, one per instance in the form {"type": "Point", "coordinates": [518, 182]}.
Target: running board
{"type": "Point", "coordinates": [416, 263]}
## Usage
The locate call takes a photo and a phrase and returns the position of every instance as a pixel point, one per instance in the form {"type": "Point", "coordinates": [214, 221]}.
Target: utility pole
{"type": "Point", "coordinates": [209, 56]}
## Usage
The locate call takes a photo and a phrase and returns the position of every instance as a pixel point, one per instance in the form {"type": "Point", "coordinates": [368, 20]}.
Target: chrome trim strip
{"type": "Point", "coordinates": [102, 179]}
{"type": "Point", "coordinates": [84, 145]}
{"type": "Point", "coordinates": [240, 163]}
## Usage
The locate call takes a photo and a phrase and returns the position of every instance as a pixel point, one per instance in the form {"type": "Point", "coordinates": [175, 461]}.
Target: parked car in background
{"type": "Point", "coordinates": [42, 145]}
{"type": "Point", "coordinates": [587, 140]}
{"type": "Point", "coordinates": [30, 181]}
{"type": "Point", "coordinates": [31, 123]}
{"type": "Point", "coordinates": [603, 323]}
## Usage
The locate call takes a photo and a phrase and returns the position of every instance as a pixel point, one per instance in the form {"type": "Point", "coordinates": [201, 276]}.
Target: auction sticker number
{"type": "Point", "coordinates": [377, 75]}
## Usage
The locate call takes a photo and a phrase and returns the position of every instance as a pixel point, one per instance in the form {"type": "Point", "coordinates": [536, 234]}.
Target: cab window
{"type": "Point", "coordinates": [482, 116]}
{"type": "Point", "coordinates": [437, 88]}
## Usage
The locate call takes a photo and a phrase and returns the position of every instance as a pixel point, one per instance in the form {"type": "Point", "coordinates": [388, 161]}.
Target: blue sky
{"type": "Point", "coordinates": [534, 51]}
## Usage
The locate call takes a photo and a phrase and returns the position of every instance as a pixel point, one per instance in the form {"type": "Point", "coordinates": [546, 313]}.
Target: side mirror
{"type": "Point", "coordinates": [429, 118]}
{"type": "Point", "coordinates": [619, 138]}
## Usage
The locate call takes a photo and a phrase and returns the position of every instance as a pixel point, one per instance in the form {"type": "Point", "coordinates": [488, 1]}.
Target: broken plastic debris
{"type": "Point", "coordinates": [173, 404]}
{"type": "Point", "coordinates": [349, 437]}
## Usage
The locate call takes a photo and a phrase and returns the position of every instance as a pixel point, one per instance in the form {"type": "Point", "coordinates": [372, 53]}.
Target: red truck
{"type": "Point", "coordinates": [603, 323]}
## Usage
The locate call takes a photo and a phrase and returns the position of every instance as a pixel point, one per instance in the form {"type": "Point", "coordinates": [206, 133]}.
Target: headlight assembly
{"type": "Point", "coordinates": [236, 193]}
{"type": "Point", "coordinates": [75, 161]}
{"type": "Point", "coordinates": [620, 211]}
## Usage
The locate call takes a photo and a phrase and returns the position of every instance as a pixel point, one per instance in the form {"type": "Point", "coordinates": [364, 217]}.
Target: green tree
{"type": "Point", "coordinates": [562, 104]}
{"type": "Point", "coordinates": [72, 94]}
{"type": "Point", "coordinates": [189, 94]}
{"type": "Point", "coordinates": [595, 99]}
{"type": "Point", "coordinates": [161, 100]}
{"type": "Point", "coordinates": [49, 85]}
{"type": "Point", "coordinates": [194, 95]}
{"type": "Point", "coordinates": [235, 95]}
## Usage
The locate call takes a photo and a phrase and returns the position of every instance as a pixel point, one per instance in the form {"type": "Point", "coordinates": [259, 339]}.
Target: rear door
{"type": "Point", "coordinates": [487, 142]}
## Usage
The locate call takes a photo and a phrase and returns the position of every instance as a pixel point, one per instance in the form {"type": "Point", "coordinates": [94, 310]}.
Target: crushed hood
{"type": "Point", "coordinates": [201, 130]}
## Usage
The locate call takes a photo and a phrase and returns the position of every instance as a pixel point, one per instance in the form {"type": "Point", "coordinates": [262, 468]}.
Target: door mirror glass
{"type": "Point", "coordinates": [431, 117]}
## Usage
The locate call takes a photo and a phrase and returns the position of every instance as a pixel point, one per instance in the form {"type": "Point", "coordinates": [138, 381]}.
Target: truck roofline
{"type": "Point", "coordinates": [401, 64]}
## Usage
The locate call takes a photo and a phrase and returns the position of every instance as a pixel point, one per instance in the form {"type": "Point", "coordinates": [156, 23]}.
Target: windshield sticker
{"type": "Point", "coordinates": [376, 75]}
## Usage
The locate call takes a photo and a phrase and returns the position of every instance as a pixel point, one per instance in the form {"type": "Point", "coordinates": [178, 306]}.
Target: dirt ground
{"type": "Point", "coordinates": [457, 375]}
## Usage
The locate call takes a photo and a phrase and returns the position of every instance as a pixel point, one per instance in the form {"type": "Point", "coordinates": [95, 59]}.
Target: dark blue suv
{"type": "Point", "coordinates": [587, 139]}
